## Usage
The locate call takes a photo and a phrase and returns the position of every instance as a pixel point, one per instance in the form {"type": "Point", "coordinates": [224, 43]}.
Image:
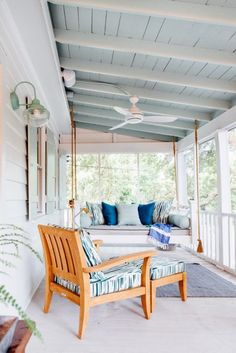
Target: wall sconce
{"type": "Point", "coordinates": [35, 113]}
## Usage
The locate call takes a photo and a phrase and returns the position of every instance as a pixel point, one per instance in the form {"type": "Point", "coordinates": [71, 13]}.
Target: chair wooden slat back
{"type": "Point", "coordinates": [63, 252]}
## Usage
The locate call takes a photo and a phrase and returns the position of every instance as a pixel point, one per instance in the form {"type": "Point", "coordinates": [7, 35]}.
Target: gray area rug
{"type": "Point", "coordinates": [201, 283]}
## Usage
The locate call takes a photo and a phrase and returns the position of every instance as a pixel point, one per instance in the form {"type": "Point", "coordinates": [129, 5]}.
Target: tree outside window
{"type": "Point", "coordinates": [208, 176]}
{"type": "Point", "coordinates": [128, 177]}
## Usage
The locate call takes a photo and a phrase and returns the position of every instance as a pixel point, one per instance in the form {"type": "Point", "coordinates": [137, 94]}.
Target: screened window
{"type": "Point", "coordinates": [87, 177]}
{"type": "Point", "coordinates": [208, 176]}
{"type": "Point", "coordinates": [189, 170]}
{"type": "Point", "coordinates": [123, 177]}
{"type": "Point", "coordinates": [118, 177]}
{"type": "Point", "coordinates": [156, 176]}
{"type": "Point", "coordinates": [232, 165]}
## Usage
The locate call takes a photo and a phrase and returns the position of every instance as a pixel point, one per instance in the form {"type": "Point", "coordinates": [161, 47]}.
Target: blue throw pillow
{"type": "Point", "coordinates": [109, 214]}
{"type": "Point", "coordinates": [146, 212]}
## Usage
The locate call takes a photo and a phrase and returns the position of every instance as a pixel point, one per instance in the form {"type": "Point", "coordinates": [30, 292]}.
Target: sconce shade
{"type": "Point", "coordinates": [36, 114]}
{"type": "Point", "coordinates": [14, 101]}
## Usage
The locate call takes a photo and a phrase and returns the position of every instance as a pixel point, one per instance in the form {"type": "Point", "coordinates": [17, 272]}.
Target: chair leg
{"type": "Point", "coordinates": [145, 300]}
{"type": "Point", "coordinates": [183, 287]}
{"type": "Point", "coordinates": [84, 315]}
{"type": "Point", "coordinates": [153, 297]}
{"type": "Point", "coordinates": [47, 299]}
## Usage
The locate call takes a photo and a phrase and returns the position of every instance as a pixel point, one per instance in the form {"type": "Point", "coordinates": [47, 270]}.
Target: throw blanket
{"type": "Point", "coordinates": [159, 234]}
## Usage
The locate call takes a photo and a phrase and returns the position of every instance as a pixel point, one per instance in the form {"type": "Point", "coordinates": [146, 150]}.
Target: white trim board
{"type": "Point", "coordinates": [163, 147]}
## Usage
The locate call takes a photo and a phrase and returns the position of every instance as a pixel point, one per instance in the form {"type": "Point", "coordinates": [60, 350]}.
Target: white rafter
{"type": "Point", "coordinates": [153, 95]}
{"type": "Point", "coordinates": [108, 114]}
{"type": "Point", "coordinates": [128, 45]}
{"type": "Point", "coordinates": [146, 108]}
{"type": "Point", "coordinates": [162, 8]}
{"type": "Point", "coordinates": [149, 75]}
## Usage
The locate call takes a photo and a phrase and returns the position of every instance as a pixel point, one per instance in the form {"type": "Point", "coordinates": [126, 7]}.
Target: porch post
{"type": "Point", "coordinates": [224, 194]}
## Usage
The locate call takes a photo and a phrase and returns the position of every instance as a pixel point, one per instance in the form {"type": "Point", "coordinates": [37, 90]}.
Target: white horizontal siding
{"type": "Point", "coordinates": [14, 138]}
{"type": "Point", "coordinates": [17, 65]}
{"type": "Point", "coordinates": [16, 173]}
{"type": "Point", "coordinates": [15, 191]}
{"type": "Point", "coordinates": [14, 155]}
{"type": "Point", "coordinates": [16, 209]}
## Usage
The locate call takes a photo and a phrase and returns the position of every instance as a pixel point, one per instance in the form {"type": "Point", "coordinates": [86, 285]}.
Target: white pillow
{"type": "Point", "coordinates": [128, 215]}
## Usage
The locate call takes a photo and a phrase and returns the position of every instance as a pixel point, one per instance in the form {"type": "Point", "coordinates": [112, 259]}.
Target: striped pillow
{"type": "Point", "coordinates": [92, 256]}
{"type": "Point", "coordinates": [96, 211]}
{"type": "Point", "coordinates": [161, 211]}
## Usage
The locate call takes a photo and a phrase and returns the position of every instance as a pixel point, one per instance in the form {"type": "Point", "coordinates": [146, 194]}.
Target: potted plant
{"type": "Point", "coordinates": [12, 238]}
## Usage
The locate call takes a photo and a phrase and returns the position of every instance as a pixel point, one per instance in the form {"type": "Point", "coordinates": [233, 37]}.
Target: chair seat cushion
{"type": "Point", "coordinates": [165, 267]}
{"type": "Point", "coordinates": [127, 276]}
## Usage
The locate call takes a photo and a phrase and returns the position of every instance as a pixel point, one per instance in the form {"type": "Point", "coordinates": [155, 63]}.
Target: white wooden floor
{"type": "Point", "coordinates": [200, 325]}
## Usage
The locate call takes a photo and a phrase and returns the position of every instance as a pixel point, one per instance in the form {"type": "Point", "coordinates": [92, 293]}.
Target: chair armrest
{"type": "Point", "coordinates": [119, 260]}
{"type": "Point", "coordinates": [97, 243]}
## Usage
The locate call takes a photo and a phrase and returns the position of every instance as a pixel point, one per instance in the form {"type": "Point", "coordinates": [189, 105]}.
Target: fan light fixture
{"type": "Point", "coordinates": [35, 113]}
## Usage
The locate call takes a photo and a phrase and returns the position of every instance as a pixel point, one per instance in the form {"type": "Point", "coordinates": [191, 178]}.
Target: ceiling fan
{"type": "Point", "coordinates": [134, 115]}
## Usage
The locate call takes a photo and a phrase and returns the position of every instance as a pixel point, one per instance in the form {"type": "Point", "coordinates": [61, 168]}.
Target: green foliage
{"type": "Point", "coordinates": [189, 169]}
{"type": "Point", "coordinates": [11, 239]}
{"type": "Point", "coordinates": [124, 177]}
{"type": "Point", "coordinates": [232, 163]}
{"type": "Point", "coordinates": [8, 299]}
{"type": "Point", "coordinates": [207, 175]}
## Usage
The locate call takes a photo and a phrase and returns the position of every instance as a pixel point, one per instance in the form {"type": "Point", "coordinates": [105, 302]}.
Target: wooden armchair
{"type": "Point", "coordinates": [65, 258]}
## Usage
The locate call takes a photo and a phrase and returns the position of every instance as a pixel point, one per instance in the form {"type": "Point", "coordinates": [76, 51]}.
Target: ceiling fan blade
{"type": "Point", "coordinates": [118, 126]}
{"type": "Point", "coordinates": [160, 119]}
{"type": "Point", "coordinates": [122, 111]}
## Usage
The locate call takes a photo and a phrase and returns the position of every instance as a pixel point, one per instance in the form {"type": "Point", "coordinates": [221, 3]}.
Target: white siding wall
{"type": "Point", "coordinates": [25, 278]}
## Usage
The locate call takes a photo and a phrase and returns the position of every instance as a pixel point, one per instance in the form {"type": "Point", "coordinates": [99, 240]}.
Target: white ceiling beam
{"type": "Point", "coordinates": [149, 75]}
{"type": "Point", "coordinates": [146, 108]}
{"type": "Point", "coordinates": [108, 114]}
{"type": "Point", "coordinates": [123, 131]}
{"type": "Point", "coordinates": [153, 95]}
{"type": "Point", "coordinates": [128, 45]}
{"type": "Point", "coordinates": [137, 127]}
{"type": "Point", "coordinates": [201, 13]}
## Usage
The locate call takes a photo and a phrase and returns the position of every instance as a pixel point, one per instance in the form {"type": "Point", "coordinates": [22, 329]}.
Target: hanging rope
{"type": "Point", "coordinates": [176, 173]}
{"type": "Point", "coordinates": [73, 168]}
{"type": "Point", "coordinates": [200, 246]}
{"type": "Point", "coordinates": [75, 161]}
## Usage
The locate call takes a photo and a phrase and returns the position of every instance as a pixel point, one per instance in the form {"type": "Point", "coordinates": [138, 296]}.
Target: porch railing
{"type": "Point", "coordinates": [218, 233]}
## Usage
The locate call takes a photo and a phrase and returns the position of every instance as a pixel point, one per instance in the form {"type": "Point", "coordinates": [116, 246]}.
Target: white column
{"type": "Point", "coordinates": [224, 193]}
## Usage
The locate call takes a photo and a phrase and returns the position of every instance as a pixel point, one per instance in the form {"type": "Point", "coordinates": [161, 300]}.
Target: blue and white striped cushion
{"type": "Point", "coordinates": [127, 276]}
{"type": "Point", "coordinates": [164, 267]}
{"type": "Point", "coordinates": [96, 210]}
{"type": "Point", "coordinates": [92, 256]}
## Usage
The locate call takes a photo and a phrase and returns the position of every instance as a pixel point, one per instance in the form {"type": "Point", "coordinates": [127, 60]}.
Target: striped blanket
{"type": "Point", "coordinates": [159, 234]}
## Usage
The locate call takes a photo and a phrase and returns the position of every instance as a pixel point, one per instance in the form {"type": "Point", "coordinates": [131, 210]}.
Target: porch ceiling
{"type": "Point", "coordinates": [177, 56]}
